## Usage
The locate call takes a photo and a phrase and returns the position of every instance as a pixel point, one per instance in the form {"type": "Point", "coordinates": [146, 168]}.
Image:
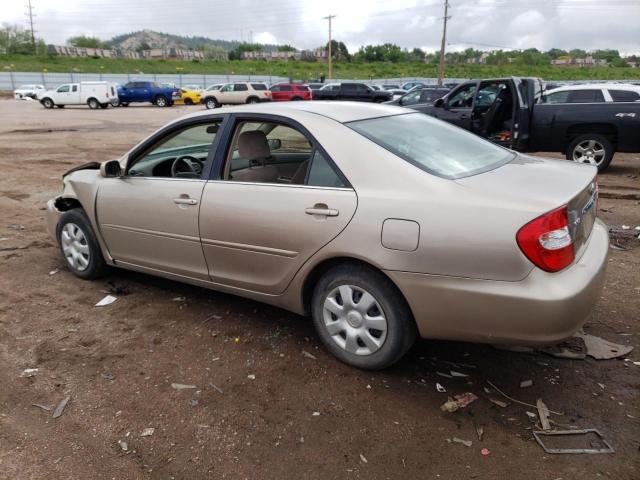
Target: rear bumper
{"type": "Point", "coordinates": [543, 308]}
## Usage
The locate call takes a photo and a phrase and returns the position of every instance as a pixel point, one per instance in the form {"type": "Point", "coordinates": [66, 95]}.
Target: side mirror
{"type": "Point", "coordinates": [439, 103]}
{"type": "Point", "coordinates": [111, 169]}
{"type": "Point", "coordinates": [274, 144]}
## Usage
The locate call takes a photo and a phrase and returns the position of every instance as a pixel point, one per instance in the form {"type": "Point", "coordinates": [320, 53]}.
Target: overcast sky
{"type": "Point", "coordinates": [482, 24]}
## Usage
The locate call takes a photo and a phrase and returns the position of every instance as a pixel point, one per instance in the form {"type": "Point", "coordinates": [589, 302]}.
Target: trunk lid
{"type": "Point", "coordinates": [538, 185]}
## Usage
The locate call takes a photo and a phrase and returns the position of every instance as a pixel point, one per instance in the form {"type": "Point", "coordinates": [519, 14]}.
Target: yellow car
{"type": "Point", "coordinates": [188, 97]}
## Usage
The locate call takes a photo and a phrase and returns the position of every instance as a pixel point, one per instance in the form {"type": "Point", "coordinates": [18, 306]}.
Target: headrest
{"type": "Point", "coordinates": [253, 145]}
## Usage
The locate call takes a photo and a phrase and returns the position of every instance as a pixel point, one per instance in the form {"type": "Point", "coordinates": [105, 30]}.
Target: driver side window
{"type": "Point", "coordinates": [180, 154]}
{"type": "Point", "coordinates": [410, 98]}
{"type": "Point", "coordinates": [463, 98]}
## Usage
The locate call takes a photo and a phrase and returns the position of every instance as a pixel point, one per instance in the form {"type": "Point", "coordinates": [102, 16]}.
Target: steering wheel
{"type": "Point", "coordinates": [186, 164]}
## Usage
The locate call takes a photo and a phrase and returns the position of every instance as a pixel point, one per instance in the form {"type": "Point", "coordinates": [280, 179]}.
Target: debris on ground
{"type": "Point", "coordinates": [517, 401]}
{"type": "Point", "coordinates": [440, 388]}
{"type": "Point", "coordinates": [29, 372]}
{"type": "Point", "coordinates": [309, 355]}
{"type": "Point", "coordinates": [147, 432]}
{"type": "Point", "coordinates": [315, 414]}
{"type": "Point", "coordinates": [466, 443]}
{"type": "Point", "coordinates": [179, 299]}
{"type": "Point", "coordinates": [108, 300]}
{"type": "Point", "coordinates": [43, 407]}
{"type": "Point", "coordinates": [596, 442]}
{"type": "Point", "coordinates": [251, 376]}
{"type": "Point", "coordinates": [458, 401]}
{"type": "Point", "coordinates": [543, 413]}
{"type": "Point", "coordinates": [445, 375]}
{"type": "Point", "coordinates": [479, 432]}
{"type": "Point", "coordinates": [582, 344]}
{"type": "Point", "coordinates": [526, 383]}
{"type": "Point", "coordinates": [194, 402]}
{"type": "Point", "coordinates": [216, 388]}
{"type": "Point", "coordinates": [458, 374]}
{"type": "Point", "coordinates": [61, 406]}
{"type": "Point", "coordinates": [112, 287]}
{"type": "Point", "coordinates": [485, 452]}
{"type": "Point", "coordinates": [108, 376]}
{"type": "Point", "coordinates": [182, 386]}
{"type": "Point", "coordinates": [363, 459]}
{"type": "Point", "coordinates": [123, 445]}
{"type": "Point", "coordinates": [54, 271]}
{"type": "Point", "coordinates": [499, 403]}
{"type": "Point", "coordinates": [16, 226]}
{"type": "Point", "coordinates": [531, 414]}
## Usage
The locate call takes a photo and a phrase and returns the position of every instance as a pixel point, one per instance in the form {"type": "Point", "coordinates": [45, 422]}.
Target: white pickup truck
{"type": "Point", "coordinates": [94, 94]}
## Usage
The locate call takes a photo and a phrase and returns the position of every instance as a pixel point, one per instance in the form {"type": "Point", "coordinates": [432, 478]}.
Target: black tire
{"type": "Point", "coordinates": [211, 102]}
{"type": "Point", "coordinates": [188, 101]}
{"type": "Point", "coordinates": [160, 101]}
{"type": "Point", "coordinates": [104, 105]}
{"type": "Point", "coordinates": [96, 266]}
{"type": "Point", "coordinates": [47, 103]}
{"type": "Point", "coordinates": [296, 99]}
{"type": "Point", "coordinates": [252, 100]}
{"type": "Point", "coordinates": [93, 104]}
{"type": "Point", "coordinates": [60, 106]}
{"type": "Point", "coordinates": [122, 104]}
{"type": "Point", "coordinates": [580, 142]}
{"type": "Point", "coordinates": [401, 329]}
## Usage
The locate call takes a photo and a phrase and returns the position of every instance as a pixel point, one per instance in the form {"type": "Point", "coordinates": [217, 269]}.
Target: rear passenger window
{"type": "Point", "coordinates": [585, 96]}
{"type": "Point", "coordinates": [624, 95]}
{"type": "Point", "coordinates": [259, 86]}
{"type": "Point", "coordinates": [322, 174]}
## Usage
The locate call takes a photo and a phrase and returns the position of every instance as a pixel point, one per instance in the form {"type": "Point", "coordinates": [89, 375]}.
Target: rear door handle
{"type": "Point", "coordinates": [323, 211]}
{"type": "Point", "coordinates": [185, 201]}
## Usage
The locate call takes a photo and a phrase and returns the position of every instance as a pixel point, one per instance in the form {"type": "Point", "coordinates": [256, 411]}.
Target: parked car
{"type": "Point", "coordinates": [94, 94]}
{"type": "Point", "coordinates": [350, 213]}
{"type": "Point", "coordinates": [315, 86]}
{"type": "Point", "coordinates": [593, 93]}
{"type": "Point", "coordinates": [419, 98]}
{"type": "Point", "coordinates": [391, 86]}
{"type": "Point", "coordinates": [216, 86]}
{"type": "Point", "coordinates": [236, 93]}
{"type": "Point", "coordinates": [27, 91]}
{"type": "Point", "coordinates": [194, 87]}
{"type": "Point", "coordinates": [147, 92]}
{"type": "Point", "coordinates": [188, 97]}
{"type": "Point", "coordinates": [351, 91]}
{"type": "Point", "coordinates": [290, 91]}
{"type": "Point", "coordinates": [397, 93]}
{"type": "Point", "coordinates": [409, 85]}
{"type": "Point", "coordinates": [513, 112]}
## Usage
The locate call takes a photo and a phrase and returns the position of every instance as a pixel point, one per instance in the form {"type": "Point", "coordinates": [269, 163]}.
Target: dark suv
{"type": "Point", "coordinates": [352, 91]}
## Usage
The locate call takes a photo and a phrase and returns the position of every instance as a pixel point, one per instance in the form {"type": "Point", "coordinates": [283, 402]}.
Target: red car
{"type": "Point", "coordinates": [282, 92]}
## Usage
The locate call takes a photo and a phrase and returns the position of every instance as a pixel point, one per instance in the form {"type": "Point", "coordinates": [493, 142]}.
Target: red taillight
{"type": "Point", "coordinates": [547, 242]}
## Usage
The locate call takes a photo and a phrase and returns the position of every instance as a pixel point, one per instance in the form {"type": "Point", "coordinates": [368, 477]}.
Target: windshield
{"type": "Point", "coordinates": [433, 145]}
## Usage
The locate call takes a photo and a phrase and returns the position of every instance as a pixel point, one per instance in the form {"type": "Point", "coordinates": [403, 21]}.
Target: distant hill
{"type": "Point", "coordinates": [149, 39]}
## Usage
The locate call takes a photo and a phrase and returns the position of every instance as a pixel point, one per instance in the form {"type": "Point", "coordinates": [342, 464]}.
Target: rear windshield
{"type": "Point", "coordinates": [433, 145]}
{"type": "Point", "coordinates": [259, 86]}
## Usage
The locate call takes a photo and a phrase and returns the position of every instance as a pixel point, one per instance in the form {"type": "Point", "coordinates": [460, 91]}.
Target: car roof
{"type": "Point", "coordinates": [591, 86]}
{"type": "Point", "coordinates": [339, 111]}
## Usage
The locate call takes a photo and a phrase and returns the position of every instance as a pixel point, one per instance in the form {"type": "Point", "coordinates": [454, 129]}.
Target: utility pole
{"type": "Point", "coordinates": [330, 17]}
{"type": "Point", "coordinates": [30, 15]}
{"type": "Point", "coordinates": [444, 42]}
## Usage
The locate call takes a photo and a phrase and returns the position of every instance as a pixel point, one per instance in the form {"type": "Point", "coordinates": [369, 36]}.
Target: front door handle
{"type": "Point", "coordinates": [185, 200]}
{"type": "Point", "coordinates": [321, 210]}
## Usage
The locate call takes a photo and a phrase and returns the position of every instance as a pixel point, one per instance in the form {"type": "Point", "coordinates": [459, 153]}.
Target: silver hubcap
{"type": "Point", "coordinates": [161, 101]}
{"type": "Point", "coordinates": [355, 320]}
{"type": "Point", "coordinates": [590, 152]}
{"type": "Point", "coordinates": [75, 247]}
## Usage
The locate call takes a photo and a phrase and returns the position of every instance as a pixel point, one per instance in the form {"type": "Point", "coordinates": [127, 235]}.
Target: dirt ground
{"type": "Point", "coordinates": [299, 417]}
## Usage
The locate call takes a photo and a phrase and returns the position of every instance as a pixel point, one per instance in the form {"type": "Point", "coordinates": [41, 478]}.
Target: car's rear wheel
{"type": "Point", "coordinates": [211, 103]}
{"type": "Point", "coordinates": [122, 104]}
{"type": "Point", "coordinates": [188, 101]}
{"type": "Point", "coordinates": [79, 245]}
{"type": "Point", "coordinates": [47, 103]}
{"type": "Point", "coordinates": [252, 100]}
{"type": "Point", "coordinates": [591, 149]}
{"type": "Point", "coordinates": [361, 317]}
{"type": "Point", "coordinates": [93, 104]}
{"type": "Point", "coordinates": [161, 101]}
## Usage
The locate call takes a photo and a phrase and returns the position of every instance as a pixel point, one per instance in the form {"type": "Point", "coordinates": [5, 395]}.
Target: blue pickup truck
{"type": "Point", "coordinates": [143, 91]}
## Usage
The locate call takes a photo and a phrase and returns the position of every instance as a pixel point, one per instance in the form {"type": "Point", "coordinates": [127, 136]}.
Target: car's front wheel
{"type": "Point", "coordinates": [591, 149]}
{"type": "Point", "coordinates": [361, 317]}
{"type": "Point", "coordinates": [79, 245]}
{"type": "Point", "coordinates": [161, 101]}
{"type": "Point", "coordinates": [211, 103]}
{"type": "Point", "coordinates": [47, 103]}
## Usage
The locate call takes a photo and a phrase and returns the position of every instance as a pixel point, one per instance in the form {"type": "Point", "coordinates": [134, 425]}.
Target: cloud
{"type": "Point", "coordinates": [265, 37]}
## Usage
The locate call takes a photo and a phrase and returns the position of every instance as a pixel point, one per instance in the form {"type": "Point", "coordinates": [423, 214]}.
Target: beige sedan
{"type": "Point", "coordinates": [378, 222]}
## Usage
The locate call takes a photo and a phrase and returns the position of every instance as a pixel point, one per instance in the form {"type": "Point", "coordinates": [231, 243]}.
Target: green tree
{"type": "Point", "coordinates": [554, 53]}
{"type": "Point", "coordinates": [339, 51]}
{"type": "Point", "coordinates": [14, 39]}
{"type": "Point", "coordinates": [86, 42]}
{"type": "Point", "coordinates": [286, 48]}
{"type": "Point", "coordinates": [577, 53]}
